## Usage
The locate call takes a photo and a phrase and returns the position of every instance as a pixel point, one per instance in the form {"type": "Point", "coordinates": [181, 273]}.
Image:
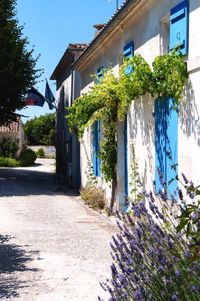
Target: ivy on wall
{"type": "Point", "coordinates": [111, 98]}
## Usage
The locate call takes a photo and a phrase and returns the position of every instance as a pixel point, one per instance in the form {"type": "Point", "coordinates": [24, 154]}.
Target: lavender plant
{"type": "Point", "coordinates": [151, 261]}
{"type": "Point", "coordinates": [189, 219]}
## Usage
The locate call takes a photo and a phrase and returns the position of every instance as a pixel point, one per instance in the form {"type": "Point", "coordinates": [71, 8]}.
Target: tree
{"type": "Point", "coordinates": [41, 130]}
{"type": "Point", "coordinates": [17, 65]}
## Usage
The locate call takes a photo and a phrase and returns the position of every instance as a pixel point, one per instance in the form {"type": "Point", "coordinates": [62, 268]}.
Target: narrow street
{"type": "Point", "coordinates": [52, 247]}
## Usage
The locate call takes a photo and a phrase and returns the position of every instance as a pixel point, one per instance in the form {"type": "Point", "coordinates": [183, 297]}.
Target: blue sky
{"type": "Point", "coordinates": [51, 25]}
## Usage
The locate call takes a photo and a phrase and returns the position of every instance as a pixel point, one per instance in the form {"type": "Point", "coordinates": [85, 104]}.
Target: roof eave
{"type": "Point", "coordinates": [103, 32]}
{"type": "Point", "coordinates": [64, 59]}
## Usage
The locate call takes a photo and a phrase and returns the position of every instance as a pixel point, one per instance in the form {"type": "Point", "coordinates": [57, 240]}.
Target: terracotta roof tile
{"type": "Point", "coordinates": [11, 128]}
{"type": "Point", "coordinates": [80, 46]}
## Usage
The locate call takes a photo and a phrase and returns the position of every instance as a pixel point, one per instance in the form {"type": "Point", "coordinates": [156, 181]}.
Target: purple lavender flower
{"type": "Point", "coordinates": [177, 273]}
{"type": "Point", "coordinates": [184, 178]}
{"type": "Point", "coordinates": [174, 297]}
{"type": "Point", "coordinates": [180, 193]}
{"type": "Point", "coordinates": [194, 215]}
{"type": "Point", "coordinates": [150, 261]}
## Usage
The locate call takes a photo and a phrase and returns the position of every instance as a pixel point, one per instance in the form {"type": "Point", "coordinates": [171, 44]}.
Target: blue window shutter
{"type": "Point", "coordinates": [128, 53]}
{"type": "Point", "coordinates": [99, 74]}
{"type": "Point", "coordinates": [179, 20]}
{"type": "Point", "coordinates": [96, 136]}
{"type": "Point", "coordinates": [94, 145]}
{"type": "Point", "coordinates": [166, 144]}
{"type": "Point", "coordinates": [98, 147]}
{"type": "Point", "coordinates": [128, 50]}
{"type": "Point", "coordinates": [125, 158]}
{"type": "Point", "coordinates": [171, 145]}
{"type": "Point", "coordinates": [160, 142]}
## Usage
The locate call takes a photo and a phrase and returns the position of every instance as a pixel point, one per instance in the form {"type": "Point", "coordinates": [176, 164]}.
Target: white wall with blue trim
{"type": "Point", "coordinates": [153, 27]}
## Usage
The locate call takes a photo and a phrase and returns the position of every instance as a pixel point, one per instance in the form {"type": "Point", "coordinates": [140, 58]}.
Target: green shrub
{"type": "Point", "coordinates": [93, 197]}
{"type": "Point", "coordinates": [41, 130]}
{"type": "Point", "coordinates": [40, 153]}
{"type": "Point", "coordinates": [8, 162]}
{"type": "Point", "coordinates": [27, 157]}
{"type": "Point", "coordinates": [9, 147]}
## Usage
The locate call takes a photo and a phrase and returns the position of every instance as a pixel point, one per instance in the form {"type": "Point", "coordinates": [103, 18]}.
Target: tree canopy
{"type": "Point", "coordinates": [17, 65]}
{"type": "Point", "coordinates": [41, 130]}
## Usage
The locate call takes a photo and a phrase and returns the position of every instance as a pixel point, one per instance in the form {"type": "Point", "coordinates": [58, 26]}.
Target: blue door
{"type": "Point", "coordinates": [166, 145]}
{"type": "Point", "coordinates": [171, 145]}
{"type": "Point", "coordinates": [96, 128]}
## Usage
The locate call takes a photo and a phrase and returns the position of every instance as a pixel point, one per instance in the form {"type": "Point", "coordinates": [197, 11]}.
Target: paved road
{"type": "Point", "coordinates": [52, 247]}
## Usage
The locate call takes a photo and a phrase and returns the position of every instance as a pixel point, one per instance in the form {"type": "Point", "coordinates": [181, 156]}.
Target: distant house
{"type": "Point", "coordinates": [68, 89]}
{"type": "Point", "coordinates": [14, 131]}
{"type": "Point", "coordinates": [149, 28]}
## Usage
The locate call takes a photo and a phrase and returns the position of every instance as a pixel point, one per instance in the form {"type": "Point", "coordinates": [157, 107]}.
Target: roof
{"type": "Point", "coordinates": [99, 26]}
{"type": "Point", "coordinates": [85, 49]}
{"type": "Point", "coordinates": [11, 128]}
{"type": "Point", "coordinates": [77, 46]}
{"type": "Point", "coordinates": [104, 29]}
{"type": "Point", "coordinates": [68, 57]}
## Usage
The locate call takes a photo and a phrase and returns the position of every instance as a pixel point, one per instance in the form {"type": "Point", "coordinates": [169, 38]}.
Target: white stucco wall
{"type": "Point", "coordinates": [146, 27]}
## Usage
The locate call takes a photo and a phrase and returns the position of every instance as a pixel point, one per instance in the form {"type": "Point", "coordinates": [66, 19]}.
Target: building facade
{"type": "Point", "coordinates": [152, 129]}
{"type": "Point", "coordinates": [67, 144]}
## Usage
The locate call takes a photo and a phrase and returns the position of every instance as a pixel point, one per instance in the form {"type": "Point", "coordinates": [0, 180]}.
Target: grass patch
{"type": "Point", "coordinates": [93, 197]}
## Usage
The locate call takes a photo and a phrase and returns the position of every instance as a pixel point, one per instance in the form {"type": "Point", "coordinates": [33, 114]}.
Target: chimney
{"type": "Point", "coordinates": [98, 28]}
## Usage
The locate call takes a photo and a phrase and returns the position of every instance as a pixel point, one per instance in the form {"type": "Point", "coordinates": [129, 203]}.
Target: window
{"type": "Point", "coordinates": [165, 32]}
{"type": "Point", "coordinates": [174, 31]}
{"type": "Point", "coordinates": [179, 16]}
{"type": "Point", "coordinates": [99, 74]}
{"type": "Point", "coordinates": [128, 53]}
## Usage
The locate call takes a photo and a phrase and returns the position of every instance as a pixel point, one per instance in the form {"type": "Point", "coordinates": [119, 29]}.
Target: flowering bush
{"type": "Point", "coordinates": [151, 260]}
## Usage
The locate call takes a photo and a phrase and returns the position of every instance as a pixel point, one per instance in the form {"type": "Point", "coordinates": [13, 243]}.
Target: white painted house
{"type": "Point", "coordinates": [149, 28]}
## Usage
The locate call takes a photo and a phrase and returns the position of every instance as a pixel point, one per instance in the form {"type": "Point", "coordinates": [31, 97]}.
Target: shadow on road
{"type": "Point", "coordinates": [24, 182]}
{"type": "Point", "coordinates": [13, 258]}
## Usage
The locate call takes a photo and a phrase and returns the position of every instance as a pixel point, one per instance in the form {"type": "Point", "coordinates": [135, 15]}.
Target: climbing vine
{"type": "Point", "coordinates": [110, 99]}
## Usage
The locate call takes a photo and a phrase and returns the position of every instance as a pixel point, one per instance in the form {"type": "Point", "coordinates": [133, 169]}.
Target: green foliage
{"type": "Point", "coordinates": [17, 65]}
{"type": "Point", "coordinates": [92, 106]}
{"type": "Point", "coordinates": [40, 153]}
{"type": "Point", "coordinates": [8, 162]}
{"type": "Point", "coordinates": [91, 179]}
{"type": "Point", "coordinates": [52, 136]}
{"type": "Point", "coordinates": [27, 158]}
{"type": "Point", "coordinates": [100, 103]}
{"type": "Point", "coordinates": [189, 219]}
{"type": "Point", "coordinates": [169, 75]}
{"type": "Point", "coordinates": [41, 130]}
{"type": "Point", "coordinates": [135, 84]}
{"type": "Point", "coordinates": [135, 184]}
{"type": "Point", "coordinates": [9, 147]}
{"type": "Point", "coordinates": [108, 150]}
